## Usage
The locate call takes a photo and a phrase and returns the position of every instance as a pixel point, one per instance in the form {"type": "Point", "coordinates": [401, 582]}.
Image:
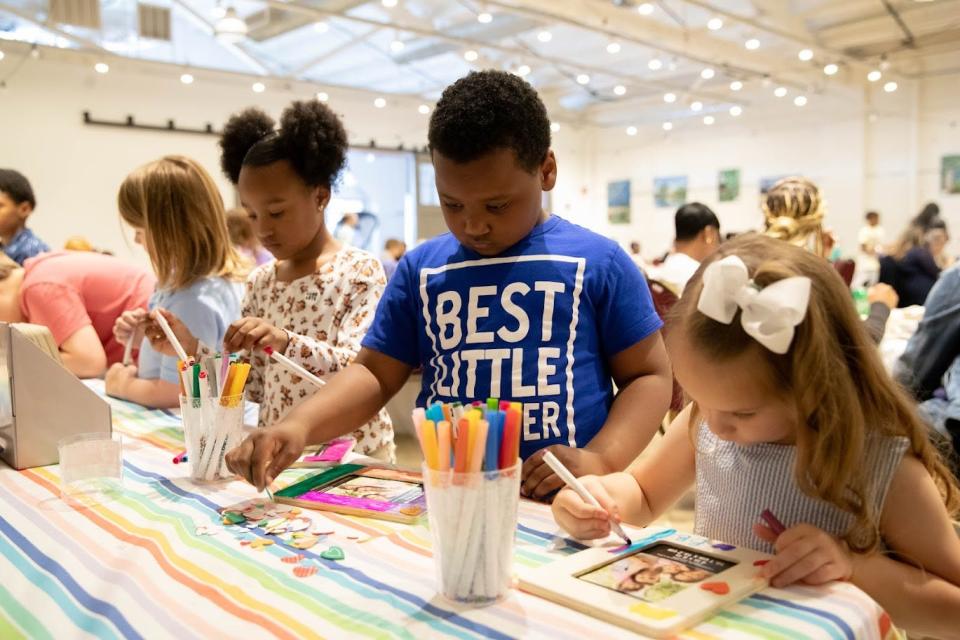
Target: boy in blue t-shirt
{"type": "Point", "coordinates": [513, 303]}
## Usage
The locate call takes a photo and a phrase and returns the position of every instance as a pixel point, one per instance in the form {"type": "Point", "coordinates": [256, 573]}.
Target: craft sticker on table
{"type": "Point", "coordinates": [655, 573]}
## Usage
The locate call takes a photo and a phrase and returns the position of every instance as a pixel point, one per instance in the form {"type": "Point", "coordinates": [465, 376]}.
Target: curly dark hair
{"type": "Point", "coordinates": [311, 137]}
{"type": "Point", "coordinates": [488, 110]}
{"type": "Point", "coordinates": [17, 187]}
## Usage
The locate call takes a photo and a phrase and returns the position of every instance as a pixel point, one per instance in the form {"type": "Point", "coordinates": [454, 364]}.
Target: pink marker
{"type": "Point", "coordinates": [771, 521]}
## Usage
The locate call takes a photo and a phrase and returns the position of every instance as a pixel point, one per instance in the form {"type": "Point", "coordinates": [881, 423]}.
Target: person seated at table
{"type": "Point", "coordinates": [697, 236]}
{"type": "Point", "coordinates": [793, 411]}
{"type": "Point", "coordinates": [919, 268]}
{"type": "Point", "coordinates": [17, 203]}
{"type": "Point", "coordinates": [78, 296]}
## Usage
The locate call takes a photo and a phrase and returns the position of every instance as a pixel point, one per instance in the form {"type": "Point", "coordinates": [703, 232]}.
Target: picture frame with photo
{"type": "Point", "coordinates": [658, 586]}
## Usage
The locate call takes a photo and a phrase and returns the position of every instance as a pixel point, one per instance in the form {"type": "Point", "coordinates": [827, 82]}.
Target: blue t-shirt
{"type": "Point", "coordinates": [207, 307]}
{"type": "Point", "coordinates": [537, 324]}
{"type": "Point", "coordinates": [25, 244]}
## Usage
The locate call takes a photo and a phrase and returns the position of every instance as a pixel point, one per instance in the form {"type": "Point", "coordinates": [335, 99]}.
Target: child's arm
{"type": "Point", "coordinates": [349, 400]}
{"type": "Point", "coordinates": [643, 377]}
{"type": "Point", "coordinates": [920, 589]}
{"type": "Point", "coordinates": [83, 354]}
{"type": "Point", "coordinates": [122, 382]}
{"type": "Point", "coordinates": [638, 496]}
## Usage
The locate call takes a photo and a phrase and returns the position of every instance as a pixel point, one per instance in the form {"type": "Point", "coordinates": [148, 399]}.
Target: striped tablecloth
{"type": "Point", "coordinates": [136, 567]}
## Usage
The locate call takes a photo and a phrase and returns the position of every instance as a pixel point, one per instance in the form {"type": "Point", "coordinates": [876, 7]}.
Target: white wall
{"type": "Point", "coordinates": [76, 169]}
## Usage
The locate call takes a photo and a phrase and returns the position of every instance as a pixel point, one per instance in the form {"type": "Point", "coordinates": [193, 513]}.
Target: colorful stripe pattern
{"type": "Point", "coordinates": [136, 567]}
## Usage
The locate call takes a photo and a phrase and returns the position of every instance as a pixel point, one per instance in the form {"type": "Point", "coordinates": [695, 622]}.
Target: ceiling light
{"type": "Point", "coordinates": [379, 103]}
{"type": "Point", "coordinates": [321, 27]}
{"type": "Point", "coordinates": [645, 9]}
{"type": "Point", "coordinates": [805, 55]}
{"type": "Point", "coordinates": [800, 101]}
{"type": "Point", "coordinates": [890, 87]}
{"type": "Point", "coordinates": [389, 4]}
{"type": "Point", "coordinates": [619, 89]}
{"type": "Point", "coordinates": [696, 105]}
{"type": "Point", "coordinates": [583, 79]}
{"type": "Point", "coordinates": [667, 126]}
{"type": "Point", "coordinates": [523, 70]}
{"type": "Point", "coordinates": [231, 28]}
{"type": "Point", "coordinates": [371, 157]}
{"type": "Point", "coordinates": [101, 67]}
{"type": "Point", "coordinates": [631, 131]}
{"type": "Point", "coordinates": [707, 73]}
{"type": "Point", "coordinates": [259, 87]}
{"type": "Point", "coordinates": [708, 120]}
{"type": "Point", "coordinates": [780, 92]}
{"type": "Point", "coordinates": [322, 96]}
{"type": "Point", "coordinates": [484, 17]}
{"type": "Point", "coordinates": [736, 110]}
{"type": "Point", "coordinates": [831, 69]}
{"type": "Point", "coordinates": [397, 46]}
{"type": "Point", "coordinates": [554, 126]}
{"type": "Point", "coordinates": [669, 97]}
{"type": "Point", "coordinates": [613, 47]}
{"type": "Point", "coordinates": [423, 109]}
{"type": "Point", "coordinates": [655, 64]}
{"type": "Point", "coordinates": [874, 75]}
{"type": "Point", "coordinates": [752, 44]}
{"type": "Point", "coordinates": [544, 36]}
{"type": "Point", "coordinates": [218, 11]}
{"type": "Point", "coordinates": [186, 78]}
{"type": "Point", "coordinates": [714, 24]}
{"type": "Point", "coordinates": [470, 55]}
{"type": "Point", "coordinates": [736, 85]}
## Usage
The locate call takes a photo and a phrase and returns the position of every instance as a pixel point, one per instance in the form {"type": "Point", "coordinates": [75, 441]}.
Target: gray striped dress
{"type": "Point", "coordinates": [736, 483]}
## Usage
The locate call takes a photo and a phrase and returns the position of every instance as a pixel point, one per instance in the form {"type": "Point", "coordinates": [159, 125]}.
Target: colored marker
{"type": "Point", "coordinates": [581, 490]}
{"type": "Point", "coordinates": [293, 366]}
{"type": "Point", "coordinates": [180, 457]}
{"type": "Point", "coordinates": [128, 349]}
{"type": "Point", "coordinates": [771, 521]}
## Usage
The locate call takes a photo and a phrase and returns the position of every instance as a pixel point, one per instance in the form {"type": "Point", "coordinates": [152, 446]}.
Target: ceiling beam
{"type": "Point", "coordinates": [357, 39]}
{"type": "Point", "coordinates": [53, 28]}
{"type": "Point", "coordinates": [237, 51]}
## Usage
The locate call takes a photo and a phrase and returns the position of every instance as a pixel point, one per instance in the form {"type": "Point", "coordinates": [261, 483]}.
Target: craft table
{"type": "Point", "coordinates": [138, 566]}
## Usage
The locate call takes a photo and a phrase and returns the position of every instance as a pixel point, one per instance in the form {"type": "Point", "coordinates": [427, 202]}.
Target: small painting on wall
{"type": "Point", "coordinates": [769, 181]}
{"type": "Point", "coordinates": [670, 191]}
{"type": "Point", "coordinates": [728, 184]}
{"type": "Point", "coordinates": [950, 174]}
{"type": "Point", "coordinates": [618, 202]}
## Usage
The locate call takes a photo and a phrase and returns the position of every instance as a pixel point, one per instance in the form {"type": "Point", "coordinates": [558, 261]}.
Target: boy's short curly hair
{"type": "Point", "coordinates": [17, 187]}
{"type": "Point", "coordinates": [489, 110]}
{"type": "Point", "coordinates": [311, 137]}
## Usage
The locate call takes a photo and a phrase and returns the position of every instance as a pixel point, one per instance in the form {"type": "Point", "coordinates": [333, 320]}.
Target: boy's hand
{"type": "Point", "coordinates": [158, 339]}
{"type": "Point", "coordinates": [805, 554]}
{"type": "Point", "coordinates": [539, 480]}
{"type": "Point", "coordinates": [267, 452]}
{"type": "Point", "coordinates": [884, 293]}
{"type": "Point", "coordinates": [247, 334]}
{"type": "Point", "coordinates": [118, 379]}
{"type": "Point", "coordinates": [128, 323]}
{"type": "Point", "coordinates": [580, 519]}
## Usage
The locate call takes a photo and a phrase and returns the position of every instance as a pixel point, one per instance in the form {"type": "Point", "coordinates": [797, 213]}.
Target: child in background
{"type": "Point", "coordinates": [244, 239]}
{"type": "Point", "coordinates": [177, 214]}
{"type": "Point", "coordinates": [17, 202]}
{"type": "Point", "coordinates": [78, 296]}
{"type": "Point", "coordinates": [315, 302]}
{"type": "Point", "coordinates": [513, 303]}
{"type": "Point", "coordinates": [793, 411]}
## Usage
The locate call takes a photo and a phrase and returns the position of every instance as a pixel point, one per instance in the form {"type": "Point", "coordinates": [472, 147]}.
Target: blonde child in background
{"type": "Point", "coordinates": [315, 302]}
{"type": "Point", "coordinates": [793, 411]}
{"type": "Point", "coordinates": [244, 239]}
{"type": "Point", "coordinates": [177, 214]}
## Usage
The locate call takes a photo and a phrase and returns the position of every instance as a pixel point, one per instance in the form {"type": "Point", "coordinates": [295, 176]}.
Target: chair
{"type": "Point", "coordinates": [845, 268]}
{"type": "Point", "coordinates": [663, 300]}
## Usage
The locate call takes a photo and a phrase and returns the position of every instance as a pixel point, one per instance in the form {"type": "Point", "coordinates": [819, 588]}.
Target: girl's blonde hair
{"type": "Point", "coordinates": [793, 211]}
{"type": "Point", "coordinates": [176, 201]}
{"type": "Point", "coordinates": [834, 374]}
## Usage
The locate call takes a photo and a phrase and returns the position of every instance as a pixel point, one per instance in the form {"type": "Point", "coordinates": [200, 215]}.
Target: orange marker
{"type": "Point", "coordinates": [461, 448]}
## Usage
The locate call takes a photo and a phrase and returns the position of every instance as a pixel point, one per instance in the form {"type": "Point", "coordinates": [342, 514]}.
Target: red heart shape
{"type": "Point", "coordinates": [304, 570]}
{"type": "Point", "coordinates": [760, 563]}
{"type": "Point", "coordinates": [719, 588]}
{"type": "Point", "coordinates": [293, 559]}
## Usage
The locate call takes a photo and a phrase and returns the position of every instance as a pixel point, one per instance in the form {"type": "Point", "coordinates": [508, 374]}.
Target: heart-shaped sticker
{"type": "Point", "coordinates": [304, 570]}
{"type": "Point", "coordinates": [293, 559]}
{"type": "Point", "coordinates": [304, 543]}
{"type": "Point", "coordinates": [333, 553]}
{"type": "Point", "coordinates": [760, 563]}
{"type": "Point", "coordinates": [719, 588]}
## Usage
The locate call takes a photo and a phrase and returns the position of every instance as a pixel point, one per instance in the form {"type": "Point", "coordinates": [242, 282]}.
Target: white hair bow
{"type": "Point", "coordinates": [769, 315]}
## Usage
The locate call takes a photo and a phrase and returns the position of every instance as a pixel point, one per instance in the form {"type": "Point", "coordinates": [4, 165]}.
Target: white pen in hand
{"type": "Point", "coordinates": [581, 490]}
{"type": "Point", "coordinates": [293, 366]}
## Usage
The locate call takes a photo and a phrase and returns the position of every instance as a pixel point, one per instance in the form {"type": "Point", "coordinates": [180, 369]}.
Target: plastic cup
{"type": "Point", "coordinates": [211, 428]}
{"type": "Point", "coordinates": [473, 522]}
{"type": "Point", "coordinates": [91, 467]}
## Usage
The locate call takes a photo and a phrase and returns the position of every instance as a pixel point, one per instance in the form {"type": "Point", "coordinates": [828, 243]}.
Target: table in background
{"type": "Point", "coordinates": [135, 567]}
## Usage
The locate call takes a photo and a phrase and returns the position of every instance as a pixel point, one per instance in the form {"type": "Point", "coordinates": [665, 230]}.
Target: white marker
{"type": "Point", "coordinates": [293, 366]}
{"type": "Point", "coordinates": [172, 339]}
{"type": "Point", "coordinates": [128, 349]}
{"type": "Point", "coordinates": [581, 490]}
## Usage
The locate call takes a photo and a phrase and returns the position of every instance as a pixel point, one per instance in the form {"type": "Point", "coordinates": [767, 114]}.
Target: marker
{"type": "Point", "coordinates": [172, 339]}
{"type": "Point", "coordinates": [771, 521]}
{"type": "Point", "coordinates": [293, 366]}
{"type": "Point", "coordinates": [180, 457]}
{"type": "Point", "coordinates": [128, 349]}
{"type": "Point", "coordinates": [575, 484]}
